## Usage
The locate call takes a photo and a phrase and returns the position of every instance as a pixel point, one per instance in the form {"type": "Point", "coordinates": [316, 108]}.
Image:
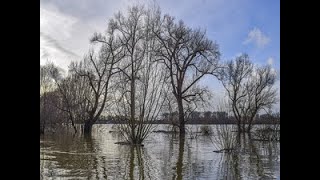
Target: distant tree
{"type": "Point", "coordinates": [45, 86]}
{"type": "Point", "coordinates": [207, 115]}
{"type": "Point", "coordinates": [49, 97]}
{"type": "Point", "coordinates": [222, 115]}
{"type": "Point", "coordinates": [46, 79]}
{"type": "Point", "coordinates": [195, 115]}
{"type": "Point", "coordinates": [50, 116]}
{"type": "Point", "coordinates": [249, 89]}
{"type": "Point", "coordinates": [165, 116]}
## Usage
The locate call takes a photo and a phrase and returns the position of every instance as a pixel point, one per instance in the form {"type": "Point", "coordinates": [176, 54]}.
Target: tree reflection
{"type": "Point", "coordinates": [137, 159]}
{"type": "Point", "coordinates": [228, 167]}
{"type": "Point", "coordinates": [179, 164]}
{"type": "Point", "coordinates": [74, 156]}
{"type": "Point", "coordinates": [131, 163]}
{"type": "Point", "coordinates": [177, 158]}
{"type": "Point", "coordinates": [251, 159]}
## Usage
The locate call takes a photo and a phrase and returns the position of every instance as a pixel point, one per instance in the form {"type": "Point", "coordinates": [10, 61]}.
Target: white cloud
{"type": "Point", "coordinates": [53, 22]}
{"type": "Point", "coordinates": [66, 26]}
{"type": "Point", "coordinates": [270, 61]}
{"type": "Point", "coordinates": [55, 29]}
{"type": "Point", "coordinates": [256, 36]}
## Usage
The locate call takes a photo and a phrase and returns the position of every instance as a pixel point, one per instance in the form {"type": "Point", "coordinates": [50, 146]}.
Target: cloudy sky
{"type": "Point", "coordinates": [238, 26]}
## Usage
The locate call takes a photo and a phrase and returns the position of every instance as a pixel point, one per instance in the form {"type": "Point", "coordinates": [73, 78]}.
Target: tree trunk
{"type": "Point", "coordinates": [250, 123]}
{"type": "Point", "coordinates": [181, 117]}
{"type": "Point", "coordinates": [244, 126]}
{"type": "Point", "coordinates": [249, 128]}
{"type": "Point", "coordinates": [179, 166]}
{"type": "Point", "coordinates": [72, 123]}
{"type": "Point", "coordinates": [249, 136]}
{"type": "Point", "coordinates": [239, 125]}
{"type": "Point", "coordinates": [75, 129]}
{"type": "Point", "coordinates": [133, 108]}
{"type": "Point", "coordinates": [87, 127]}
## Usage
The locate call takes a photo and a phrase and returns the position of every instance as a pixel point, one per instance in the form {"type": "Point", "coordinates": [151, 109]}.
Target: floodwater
{"type": "Point", "coordinates": [163, 156]}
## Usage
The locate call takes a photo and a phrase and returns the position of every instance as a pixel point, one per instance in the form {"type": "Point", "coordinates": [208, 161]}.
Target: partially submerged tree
{"type": "Point", "coordinates": [225, 138]}
{"type": "Point", "coordinates": [188, 56]}
{"type": "Point", "coordinates": [249, 89]}
{"type": "Point", "coordinates": [141, 81]}
{"type": "Point", "coordinates": [98, 72]}
{"type": "Point", "coordinates": [45, 86]}
{"type": "Point", "coordinates": [49, 97]}
{"type": "Point", "coordinates": [74, 91]}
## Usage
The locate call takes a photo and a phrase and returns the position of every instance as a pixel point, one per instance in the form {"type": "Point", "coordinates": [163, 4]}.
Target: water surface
{"type": "Point", "coordinates": [164, 156]}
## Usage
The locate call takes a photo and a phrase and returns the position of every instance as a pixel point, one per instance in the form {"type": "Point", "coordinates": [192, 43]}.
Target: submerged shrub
{"type": "Point", "coordinates": [206, 130]}
{"type": "Point", "coordinates": [267, 133]}
{"type": "Point", "coordinates": [225, 139]}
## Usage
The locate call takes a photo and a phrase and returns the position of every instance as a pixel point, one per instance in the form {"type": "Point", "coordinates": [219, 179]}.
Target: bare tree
{"type": "Point", "coordinates": [98, 72]}
{"type": "Point", "coordinates": [170, 107]}
{"type": "Point", "coordinates": [73, 91]}
{"type": "Point", "coordinates": [49, 97]}
{"type": "Point", "coordinates": [46, 80]}
{"type": "Point", "coordinates": [188, 56]}
{"type": "Point", "coordinates": [45, 86]}
{"type": "Point", "coordinates": [141, 85]}
{"type": "Point", "coordinates": [249, 89]}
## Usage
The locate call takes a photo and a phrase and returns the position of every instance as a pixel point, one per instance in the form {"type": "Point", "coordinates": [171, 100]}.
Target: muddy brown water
{"type": "Point", "coordinates": [163, 156]}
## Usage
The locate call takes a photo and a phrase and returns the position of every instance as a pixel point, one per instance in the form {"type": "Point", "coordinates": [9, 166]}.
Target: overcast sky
{"type": "Point", "coordinates": [238, 26]}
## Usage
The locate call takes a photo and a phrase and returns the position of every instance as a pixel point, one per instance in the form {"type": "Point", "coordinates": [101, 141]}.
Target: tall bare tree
{"type": "Point", "coordinates": [188, 56]}
{"type": "Point", "coordinates": [249, 89]}
{"type": "Point", "coordinates": [98, 71]}
{"type": "Point", "coordinates": [141, 85]}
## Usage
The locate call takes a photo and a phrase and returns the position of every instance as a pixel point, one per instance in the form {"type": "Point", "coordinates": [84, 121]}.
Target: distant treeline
{"type": "Point", "coordinates": [208, 117]}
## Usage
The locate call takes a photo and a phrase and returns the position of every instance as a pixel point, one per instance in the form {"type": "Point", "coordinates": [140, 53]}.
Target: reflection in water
{"type": "Point", "coordinates": [228, 167]}
{"type": "Point", "coordinates": [252, 160]}
{"type": "Point", "coordinates": [164, 156]}
{"type": "Point", "coordinates": [180, 158]}
{"type": "Point", "coordinates": [136, 160]}
{"type": "Point", "coordinates": [72, 156]}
